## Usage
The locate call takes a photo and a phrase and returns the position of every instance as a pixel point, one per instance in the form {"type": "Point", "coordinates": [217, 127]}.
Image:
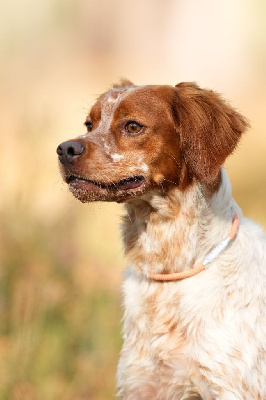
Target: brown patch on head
{"type": "Point", "coordinates": [158, 144]}
{"type": "Point", "coordinates": [184, 133]}
{"type": "Point", "coordinates": [209, 129]}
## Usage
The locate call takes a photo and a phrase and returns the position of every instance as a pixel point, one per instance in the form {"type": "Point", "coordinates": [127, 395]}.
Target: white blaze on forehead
{"type": "Point", "coordinates": [112, 102]}
{"type": "Point", "coordinates": [109, 104]}
{"type": "Point", "coordinates": [111, 99]}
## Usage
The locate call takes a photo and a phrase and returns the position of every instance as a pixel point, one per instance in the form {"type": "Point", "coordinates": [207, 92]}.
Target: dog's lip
{"type": "Point", "coordinates": [131, 182]}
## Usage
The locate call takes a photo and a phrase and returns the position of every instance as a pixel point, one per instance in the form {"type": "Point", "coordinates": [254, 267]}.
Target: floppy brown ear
{"type": "Point", "coordinates": [209, 129]}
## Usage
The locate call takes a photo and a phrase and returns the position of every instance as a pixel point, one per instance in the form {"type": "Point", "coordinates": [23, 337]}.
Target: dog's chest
{"type": "Point", "coordinates": [183, 337]}
{"type": "Point", "coordinates": [156, 337]}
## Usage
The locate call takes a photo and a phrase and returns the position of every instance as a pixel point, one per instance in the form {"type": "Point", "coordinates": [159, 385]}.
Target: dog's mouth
{"type": "Point", "coordinates": [90, 190]}
{"type": "Point", "coordinates": [124, 184]}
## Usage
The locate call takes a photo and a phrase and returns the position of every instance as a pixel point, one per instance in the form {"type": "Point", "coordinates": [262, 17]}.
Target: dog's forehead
{"type": "Point", "coordinates": [112, 99]}
{"type": "Point", "coordinates": [108, 102]}
{"type": "Point", "coordinates": [139, 96]}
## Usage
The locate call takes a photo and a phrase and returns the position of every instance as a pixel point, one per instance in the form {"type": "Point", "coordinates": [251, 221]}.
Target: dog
{"type": "Point", "coordinates": [195, 291]}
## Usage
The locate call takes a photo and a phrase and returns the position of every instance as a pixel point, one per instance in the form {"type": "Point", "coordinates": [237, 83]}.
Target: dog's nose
{"type": "Point", "coordinates": [67, 151]}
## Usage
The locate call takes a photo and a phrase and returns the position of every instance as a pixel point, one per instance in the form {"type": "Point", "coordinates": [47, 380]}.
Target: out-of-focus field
{"type": "Point", "coordinates": [61, 261]}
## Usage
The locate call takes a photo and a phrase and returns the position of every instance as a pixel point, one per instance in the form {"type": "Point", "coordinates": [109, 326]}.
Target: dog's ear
{"type": "Point", "coordinates": [209, 129]}
{"type": "Point", "coordinates": [123, 82]}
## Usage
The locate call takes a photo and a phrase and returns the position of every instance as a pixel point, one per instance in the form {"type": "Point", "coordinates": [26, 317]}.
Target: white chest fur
{"type": "Point", "coordinates": [204, 336]}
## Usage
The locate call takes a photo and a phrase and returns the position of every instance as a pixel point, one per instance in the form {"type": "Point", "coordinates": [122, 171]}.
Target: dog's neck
{"type": "Point", "coordinates": [174, 232]}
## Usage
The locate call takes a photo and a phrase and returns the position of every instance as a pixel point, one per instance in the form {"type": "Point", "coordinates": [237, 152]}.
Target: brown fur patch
{"type": "Point", "coordinates": [209, 128]}
{"type": "Point", "coordinates": [187, 133]}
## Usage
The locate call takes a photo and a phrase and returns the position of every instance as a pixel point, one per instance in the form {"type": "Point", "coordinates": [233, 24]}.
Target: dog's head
{"type": "Point", "coordinates": [144, 138]}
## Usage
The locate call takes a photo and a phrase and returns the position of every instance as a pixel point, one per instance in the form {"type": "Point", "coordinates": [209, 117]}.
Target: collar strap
{"type": "Point", "coordinates": [209, 258]}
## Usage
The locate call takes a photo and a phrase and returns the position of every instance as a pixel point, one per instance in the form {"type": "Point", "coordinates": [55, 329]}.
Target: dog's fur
{"type": "Point", "coordinates": [203, 337]}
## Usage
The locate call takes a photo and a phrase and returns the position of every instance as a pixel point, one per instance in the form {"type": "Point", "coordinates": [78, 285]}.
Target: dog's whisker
{"type": "Point", "coordinates": [110, 180]}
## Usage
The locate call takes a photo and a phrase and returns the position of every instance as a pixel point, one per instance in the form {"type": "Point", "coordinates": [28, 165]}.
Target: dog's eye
{"type": "Point", "coordinates": [133, 128]}
{"type": "Point", "coordinates": [89, 125]}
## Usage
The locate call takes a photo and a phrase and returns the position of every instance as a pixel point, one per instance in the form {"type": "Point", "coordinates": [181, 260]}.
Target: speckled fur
{"type": "Point", "coordinates": [203, 337]}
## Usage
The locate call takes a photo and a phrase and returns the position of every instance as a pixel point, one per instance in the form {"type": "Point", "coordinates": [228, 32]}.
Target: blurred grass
{"type": "Point", "coordinates": [60, 334]}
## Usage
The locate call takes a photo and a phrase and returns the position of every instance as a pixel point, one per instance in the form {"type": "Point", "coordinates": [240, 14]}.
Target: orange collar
{"type": "Point", "coordinates": [210, 257]}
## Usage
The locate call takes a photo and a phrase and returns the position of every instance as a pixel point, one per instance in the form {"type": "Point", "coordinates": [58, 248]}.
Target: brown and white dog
{"type": "Point", "coordinates": [189, 332]}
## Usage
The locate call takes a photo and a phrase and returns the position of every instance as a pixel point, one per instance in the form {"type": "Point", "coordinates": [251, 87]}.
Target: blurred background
{"type": "Point", "coordinates": [61, 261]}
